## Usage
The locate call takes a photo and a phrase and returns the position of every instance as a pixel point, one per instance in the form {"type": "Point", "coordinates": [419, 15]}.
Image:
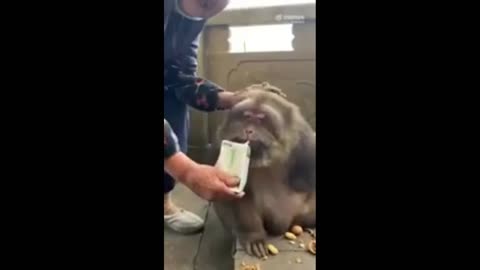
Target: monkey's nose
{"type": "Point", "coordinates": [249, 132]}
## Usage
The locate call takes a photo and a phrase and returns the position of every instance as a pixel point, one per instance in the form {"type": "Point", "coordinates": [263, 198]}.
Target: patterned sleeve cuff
{"type": "Point", "coordinates": [199, 93]}
{"type": "Point", "coordinates": [170, 141]}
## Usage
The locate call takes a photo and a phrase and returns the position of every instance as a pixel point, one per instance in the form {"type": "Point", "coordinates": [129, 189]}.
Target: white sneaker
{"type": "Point", "coordinates": [184, 222]}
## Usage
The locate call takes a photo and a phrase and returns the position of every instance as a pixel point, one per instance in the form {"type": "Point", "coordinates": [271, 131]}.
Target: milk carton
{"type": "Point", "coordinates": [235, 159]}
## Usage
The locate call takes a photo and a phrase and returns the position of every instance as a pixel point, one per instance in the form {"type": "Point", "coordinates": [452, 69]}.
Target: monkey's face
{"type": "Point", "coordinates": [261, 123]}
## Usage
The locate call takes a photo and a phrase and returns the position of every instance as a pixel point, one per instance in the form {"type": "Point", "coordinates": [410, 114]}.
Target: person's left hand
{"type": "Point", "coordinates": [226, 99]}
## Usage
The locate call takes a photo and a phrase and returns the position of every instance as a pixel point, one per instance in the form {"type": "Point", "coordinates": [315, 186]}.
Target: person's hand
{"type": "Point", "coordinates": [208, 182]}
{"type": "Point", "coordinates": [211, 183]}
{"type": "Point", "coordinates": [226, 99]}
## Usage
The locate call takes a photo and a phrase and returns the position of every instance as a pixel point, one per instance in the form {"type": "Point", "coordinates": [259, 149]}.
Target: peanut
{"type": "Point", "coordinates": [290, 236]}
{"type": "Point", "coordinates": [251, 267]}
{"type": "Point", "coordinates": [272, 249]}
{"type": "Point", "coordinates": [297, 230]}
{"type": "Point", "coordinates": [312, 247]}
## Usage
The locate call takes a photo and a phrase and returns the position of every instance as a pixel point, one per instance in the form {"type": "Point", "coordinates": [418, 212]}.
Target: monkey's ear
{"type": "Point", "coordinates": [273, 89]}
{"type": "Point", "coordinates": [277, 91]}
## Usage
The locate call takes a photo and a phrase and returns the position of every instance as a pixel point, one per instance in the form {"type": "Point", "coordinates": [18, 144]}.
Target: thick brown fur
{"type": "Point", "coordinates": [280, 191]}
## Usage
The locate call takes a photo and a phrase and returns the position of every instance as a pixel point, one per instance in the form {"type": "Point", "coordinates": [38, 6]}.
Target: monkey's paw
{"type": "Point", "coordinates": [255, 247]}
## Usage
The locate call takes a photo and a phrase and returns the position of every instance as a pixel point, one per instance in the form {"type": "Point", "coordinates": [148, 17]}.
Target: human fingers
{"type": "Point", "coordinates": [227, 179]}
{"type": "Point", "coordinates": [226, 193]}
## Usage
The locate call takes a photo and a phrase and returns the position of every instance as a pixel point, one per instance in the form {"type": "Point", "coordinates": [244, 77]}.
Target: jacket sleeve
{"type": "Point", "coordinates": [189, 61]}
{"type": "Point", "coordinates": [194, 91]}
{"type": "Point", "coordinates": [170, 141]}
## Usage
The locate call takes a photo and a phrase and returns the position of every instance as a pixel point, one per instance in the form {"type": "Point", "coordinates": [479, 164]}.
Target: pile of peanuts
{"type": "Point", "coordinates": [297, 231]}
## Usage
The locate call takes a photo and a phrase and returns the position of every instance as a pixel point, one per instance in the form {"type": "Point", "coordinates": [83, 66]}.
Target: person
{"type": "Point", "coordinates": [183, 22]}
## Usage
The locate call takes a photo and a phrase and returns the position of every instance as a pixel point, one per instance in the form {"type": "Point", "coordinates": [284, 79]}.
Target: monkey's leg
{"type": "Point", "coordinates": [252, 237]}
{"type": "Point", "coordinates": [307, 216]}
{"type": "Point", "coordinates": [242, 220]}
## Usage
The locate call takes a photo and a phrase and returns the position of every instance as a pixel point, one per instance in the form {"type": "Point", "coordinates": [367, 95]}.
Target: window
{"type": "Point", "coordinates": [245, 4]}
{"type": "Point", "coordinates": [261, 38]}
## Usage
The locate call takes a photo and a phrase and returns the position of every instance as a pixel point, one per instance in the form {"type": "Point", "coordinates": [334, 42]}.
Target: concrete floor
{"type": "Point", "coordinates": [212, 248]}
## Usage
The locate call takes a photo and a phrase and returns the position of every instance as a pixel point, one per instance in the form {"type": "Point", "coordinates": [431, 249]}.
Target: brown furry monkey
{"type": "Point", "coordinates": [280, 190]}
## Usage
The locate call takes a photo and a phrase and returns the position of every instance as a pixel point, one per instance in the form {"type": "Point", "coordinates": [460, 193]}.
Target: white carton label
{"type": "Point", "coordinates": [235, 159]}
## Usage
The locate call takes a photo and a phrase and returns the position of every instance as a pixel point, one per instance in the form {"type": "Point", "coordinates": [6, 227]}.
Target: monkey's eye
{"type": "Point", "coordinates": [254, 115]}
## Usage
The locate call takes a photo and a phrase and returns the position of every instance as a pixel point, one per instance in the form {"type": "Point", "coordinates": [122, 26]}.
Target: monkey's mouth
{"type": "Point", "coordinates": [239, 140]}
{"type": "Point", "coordinates": [257, 146]}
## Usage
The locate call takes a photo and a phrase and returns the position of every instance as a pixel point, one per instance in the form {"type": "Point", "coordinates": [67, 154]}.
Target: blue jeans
{"type": "Point", "coordinates": [176, 113]}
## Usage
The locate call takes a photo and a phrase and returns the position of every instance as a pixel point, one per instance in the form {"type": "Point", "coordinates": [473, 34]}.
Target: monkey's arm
{"type": "Point", "coordinates": [302, 172]}
{"type": "Point", "coordinates": [247, 225]}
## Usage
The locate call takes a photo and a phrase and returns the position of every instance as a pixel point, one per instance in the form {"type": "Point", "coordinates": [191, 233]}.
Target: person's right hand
{"type": "Point", "coordinates": [211, 183]}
